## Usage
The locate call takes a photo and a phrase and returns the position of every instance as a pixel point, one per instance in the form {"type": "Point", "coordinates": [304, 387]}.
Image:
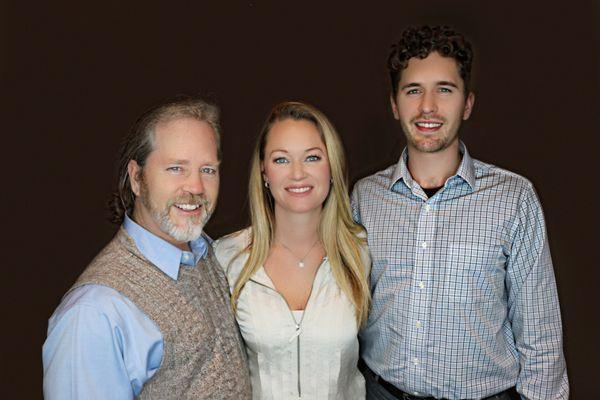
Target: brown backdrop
{"type": "Point", "coordinates": [74, 77]}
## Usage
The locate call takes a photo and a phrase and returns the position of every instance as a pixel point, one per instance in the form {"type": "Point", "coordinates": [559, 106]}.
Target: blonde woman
{"type": "Point", "coordinates": [298, 275]}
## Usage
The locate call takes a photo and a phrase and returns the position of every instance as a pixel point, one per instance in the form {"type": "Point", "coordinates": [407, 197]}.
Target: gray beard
{"type": "Point", "coordinates": [193, 227]}
{"type": "Point", "coordinates": [188, 233]}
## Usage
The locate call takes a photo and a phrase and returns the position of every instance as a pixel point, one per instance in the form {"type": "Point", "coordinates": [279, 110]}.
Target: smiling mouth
{"type": "Point", "coordinates": [428, 125]}
{"type": "Point", "coordinates": [302, 189]}
{"type": "Point", "coordinates": [188, 207]}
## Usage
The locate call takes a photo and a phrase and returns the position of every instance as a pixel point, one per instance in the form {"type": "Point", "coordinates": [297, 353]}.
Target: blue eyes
{"type": "Point", "coordinates": [283, 160]}
{"type": "Point", "coordinates": [204, 170]}
{"type": "Point", "coordinates": [208, 170]}
{"type": "Point", "coordinates": [416, 91]}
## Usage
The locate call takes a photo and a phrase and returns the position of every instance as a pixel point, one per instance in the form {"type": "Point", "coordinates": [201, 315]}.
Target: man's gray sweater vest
{"type": "Point", "coordinates": [203, 357]}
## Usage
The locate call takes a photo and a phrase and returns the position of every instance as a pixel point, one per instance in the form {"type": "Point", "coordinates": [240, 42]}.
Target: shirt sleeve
{"type": "Point", "coordinates": [354, 204]}
{"type": "Point", "coordinates": [99, 346]}
{"type": "Point", "coordinates": [533, 307]}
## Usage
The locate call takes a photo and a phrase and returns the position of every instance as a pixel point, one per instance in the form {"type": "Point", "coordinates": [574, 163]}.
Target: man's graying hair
{"type": "Point", "coordinates": [139, 143]}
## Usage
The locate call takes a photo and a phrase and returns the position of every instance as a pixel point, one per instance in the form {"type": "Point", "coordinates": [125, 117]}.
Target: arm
{"type": "Point", "coordinates": [533, 307]}
{"type": "Point", "coordinates": [99, 347]}
{"type": "Point", "coordinates": [354, 205]}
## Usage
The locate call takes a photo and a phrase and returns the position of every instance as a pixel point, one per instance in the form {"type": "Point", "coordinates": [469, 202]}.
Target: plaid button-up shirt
{"type": "Point", "coordinates": [464, 295]}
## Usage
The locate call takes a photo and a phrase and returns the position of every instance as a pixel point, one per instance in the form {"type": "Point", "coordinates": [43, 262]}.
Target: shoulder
{"type": "Point", "coordinates": [496, 174]}
{"type": "Point", "coordinates": [369, 189]}
{"type": "Point", "coordinates": [95, 296]}
{"type": "Point", "coordinates": [107, 305]}
{"type": "Point", "coordinates": [512, 192]}
{"type": "Point", "coordinates": [380, 179]}
{"type": "Point", "coordinates": [229, 247]}
{"type": "Point", "coordinates": [114, 250]}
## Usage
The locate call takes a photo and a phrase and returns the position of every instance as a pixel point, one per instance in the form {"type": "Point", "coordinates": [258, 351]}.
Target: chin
{"type": "Point", "coordinates": [306, 210]}
{"type": "Point", "coordinates": [429, 145]}
{"type": "Point", "coordinates": [183, 231]}
{"type": "Point", "coordinates": [186, 235]}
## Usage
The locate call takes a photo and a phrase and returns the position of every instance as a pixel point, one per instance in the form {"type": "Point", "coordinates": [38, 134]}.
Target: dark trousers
{"type": "Point", "coordinates": [377, 392]}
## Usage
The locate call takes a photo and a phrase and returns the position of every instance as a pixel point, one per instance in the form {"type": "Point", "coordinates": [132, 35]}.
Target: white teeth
{"type": "Point", "coordinates": [299, 190]}
{"type": "Point", "coordinates": [429, 124]}
{"type": "Point", "coordinates": [187, 207]}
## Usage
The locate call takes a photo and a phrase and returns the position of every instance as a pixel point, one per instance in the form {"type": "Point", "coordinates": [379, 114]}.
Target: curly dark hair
{"type": "Point", "coordinates": [139, 143]}
{"type": "Point", "coordinates": [423, 40]}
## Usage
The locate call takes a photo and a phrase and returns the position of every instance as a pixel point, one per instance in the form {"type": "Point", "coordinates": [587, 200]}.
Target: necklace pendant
{"type": "Point", "coordinates": [301, 264]}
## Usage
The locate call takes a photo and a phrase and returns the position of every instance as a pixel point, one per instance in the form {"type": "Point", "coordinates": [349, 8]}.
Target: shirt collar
{"type": "Point", "coordinates": [466, 169]}
{"type": "Point", "coordinates": [163, 254]}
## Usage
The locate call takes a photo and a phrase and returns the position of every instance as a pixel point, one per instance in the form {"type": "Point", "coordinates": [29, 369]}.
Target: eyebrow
{"type": "Point", "coordinates": [439, 83]}
{"type": "Point", "coordinates": [447, 83]}
{"type": "Point", "coordinates": [306, 151]}
{"type": "Point", "coordinates": [313, 149]}
{"type": "Point", "coordinates": [187, 162]}
{"type": "Point", "coordinates": [181, 162]}
{"type": "Point", "coordinates": [409, 85]}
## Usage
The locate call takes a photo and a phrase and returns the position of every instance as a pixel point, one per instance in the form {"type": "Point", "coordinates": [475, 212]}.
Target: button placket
{"type": "Point", "coordinates": [421, 293]}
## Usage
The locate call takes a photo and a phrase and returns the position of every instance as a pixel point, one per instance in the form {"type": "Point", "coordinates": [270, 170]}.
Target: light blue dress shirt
{"type": "Point", "coordinates": [464, 297]}
{"type": "Point", "coordinates": [102, 346]}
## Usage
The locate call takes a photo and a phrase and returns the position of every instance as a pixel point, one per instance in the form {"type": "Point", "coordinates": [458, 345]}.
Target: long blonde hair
{"type": "Point", "coordinates": [337, 231]}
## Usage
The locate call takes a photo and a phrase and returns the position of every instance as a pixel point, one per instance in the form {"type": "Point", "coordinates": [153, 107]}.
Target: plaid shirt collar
{"type": "Point", "coordinates": [466, 169]}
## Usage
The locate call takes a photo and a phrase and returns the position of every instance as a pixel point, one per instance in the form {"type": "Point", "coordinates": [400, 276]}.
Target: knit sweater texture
{"type": "Point", "coordinates": [203, 357]}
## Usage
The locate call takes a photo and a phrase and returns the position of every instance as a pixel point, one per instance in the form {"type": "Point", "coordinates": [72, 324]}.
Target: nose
{"type": "Point", "coordinates": [194, 184]}
{"type": "Point", "coordinates": [298, 172]}
{"type": "Point", "coordinates": [428, 104]}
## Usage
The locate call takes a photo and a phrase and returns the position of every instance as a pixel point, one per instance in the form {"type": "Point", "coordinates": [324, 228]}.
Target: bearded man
{"type": "Point", "coordinates": [150, 316]}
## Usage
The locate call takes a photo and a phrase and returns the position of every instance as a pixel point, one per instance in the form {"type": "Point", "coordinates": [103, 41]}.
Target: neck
{"type": "Point", "coordinates": [431, 170]}
{"type": "Point", "coordinates": [296, 229]}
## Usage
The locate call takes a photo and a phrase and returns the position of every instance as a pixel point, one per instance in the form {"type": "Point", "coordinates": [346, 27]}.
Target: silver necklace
{"type": "Point", "coordinates": [300, 259]}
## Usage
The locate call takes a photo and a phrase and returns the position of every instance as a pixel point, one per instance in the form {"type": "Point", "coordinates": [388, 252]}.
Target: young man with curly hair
{"type": "Point", "coordinates": [465, 304]}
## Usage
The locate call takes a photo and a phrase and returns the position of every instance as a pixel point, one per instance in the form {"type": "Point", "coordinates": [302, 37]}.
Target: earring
{"type": "Point", "coordinates": [266, 184]}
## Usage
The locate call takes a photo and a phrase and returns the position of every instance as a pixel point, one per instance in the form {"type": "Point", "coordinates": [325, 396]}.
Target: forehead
{"type": "Point", "coordinates": [185, 139]}
{"type": "Point", "coordinates": [293, 134]}
{"type": "Point", "coordinates": [433, 68]}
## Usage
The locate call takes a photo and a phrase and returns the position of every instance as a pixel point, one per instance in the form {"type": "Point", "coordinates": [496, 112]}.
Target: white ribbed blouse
{"type": "Point", "coordinates": [314, 357]}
